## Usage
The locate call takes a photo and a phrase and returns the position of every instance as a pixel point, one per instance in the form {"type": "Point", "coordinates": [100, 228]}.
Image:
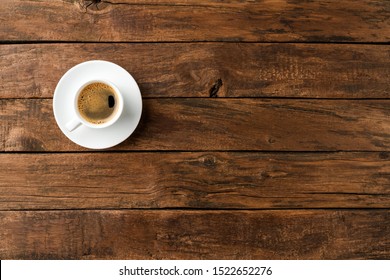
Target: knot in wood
{"type": "Point", "coordinates": [209, 161]}
{"type": "Point", "coordinates": [271, 140]}
{"type": "Point", "coordinates": [384, 155]}
{"type": "Point", "coordinates": [264, 175]}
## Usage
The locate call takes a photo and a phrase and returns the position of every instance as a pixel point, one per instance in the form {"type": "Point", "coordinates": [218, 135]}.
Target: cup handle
{"type": "Point", "coordinates": [73, 124]}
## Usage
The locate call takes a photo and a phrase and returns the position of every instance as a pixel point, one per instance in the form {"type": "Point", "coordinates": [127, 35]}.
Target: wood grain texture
{"type": "Point", "coordinates": [306, 234]}
{"type": "Point", "coordinates": [193, 70]}
{"type": "Point", "coordinates": [194, 180]}
{"type": "Point", "coordinates": [217, 124]}
{"type": "Point", "coordinates": [128, 20]}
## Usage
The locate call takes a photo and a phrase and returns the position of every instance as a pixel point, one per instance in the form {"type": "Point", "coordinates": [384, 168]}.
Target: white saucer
{"type": "Point", "coordinates": [97, 138]}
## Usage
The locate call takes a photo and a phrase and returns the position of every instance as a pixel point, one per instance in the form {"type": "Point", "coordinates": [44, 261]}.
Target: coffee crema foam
{"type": "Point", "coordinates": [97, 103]}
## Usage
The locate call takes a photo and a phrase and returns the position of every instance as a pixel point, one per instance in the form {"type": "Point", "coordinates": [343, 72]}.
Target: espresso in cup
{"type": "Point", "coordinates": [97, 103]}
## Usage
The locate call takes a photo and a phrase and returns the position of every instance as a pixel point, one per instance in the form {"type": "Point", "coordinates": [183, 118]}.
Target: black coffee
{"type": "Point", "coordinates": [97, 103]}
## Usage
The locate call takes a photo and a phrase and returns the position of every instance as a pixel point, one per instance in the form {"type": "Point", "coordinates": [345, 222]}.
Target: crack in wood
{"type": "Point", "coordinates": [95, 3]}
{"type": "Point", "coordinates": [215, 88]}
{"type": "Point", "coordinates": [200, 5]}
{"type": "Point", "coordinates": [87, 3]}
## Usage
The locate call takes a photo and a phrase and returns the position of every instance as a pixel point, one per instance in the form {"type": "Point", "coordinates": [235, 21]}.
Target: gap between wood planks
{"type": "Point", "coordinates": [200, 210]}
{"type": "Point", "coordinates": [382, 154]}
{"type": "Point", "coordinates": [20, 42]}
{"type": "Point", "coordinates": [212, 89]}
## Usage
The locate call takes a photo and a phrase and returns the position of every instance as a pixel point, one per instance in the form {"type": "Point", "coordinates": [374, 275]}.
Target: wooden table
{"type": "Point", "coordinates": [265, 132]}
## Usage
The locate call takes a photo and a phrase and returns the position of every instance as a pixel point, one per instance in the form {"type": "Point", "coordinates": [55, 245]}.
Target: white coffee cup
{"type": "Point", "coordinates": [80, 118]}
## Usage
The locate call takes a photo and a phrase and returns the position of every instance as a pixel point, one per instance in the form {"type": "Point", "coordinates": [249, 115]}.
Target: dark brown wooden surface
{"type": "Point", "coordinates": [192, 70]}
{"type": "Point", "coordinates": [201, 180]}
{"type": "Point", "coordinates": [154, 20]}
{"type": "Point", "coordinates": [217, 124]}
{"type": "Point", "coordinates": [265, 131]}
{"type": "Point", "coordinates": [131, 234]}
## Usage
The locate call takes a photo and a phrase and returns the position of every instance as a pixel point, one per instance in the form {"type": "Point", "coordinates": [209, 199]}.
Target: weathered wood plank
{"type": "Point", "coordinates": [128, 20]}
{"type": "Point", "coordinates": [217, 124]}
{"type": "Point", "coordinates": [303, 234]}
{"type": "Point", "coordinates": [192, 70]}
{"type": "Point", "coordinates": [194, 180]}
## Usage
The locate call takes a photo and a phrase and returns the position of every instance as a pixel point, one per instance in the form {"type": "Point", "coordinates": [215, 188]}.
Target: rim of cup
{"type": "Point", "coordinates": [114, 118]}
